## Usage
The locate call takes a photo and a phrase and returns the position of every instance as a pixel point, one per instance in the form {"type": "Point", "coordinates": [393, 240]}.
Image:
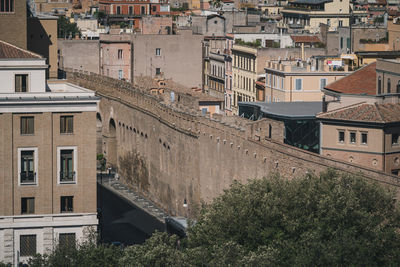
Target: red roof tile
{"type": "Point", "coordinates": [305, 39]}
{"type": "Point", "coordinates": [362, 81]}
{"type": "Point", "coordinates": [11, 51]}
{"type": "Point", "coordinates": [362, 112]}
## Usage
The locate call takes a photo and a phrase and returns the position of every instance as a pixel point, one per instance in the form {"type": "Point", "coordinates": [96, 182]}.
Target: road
{"type": "Point", "coordinates": [122, 221]}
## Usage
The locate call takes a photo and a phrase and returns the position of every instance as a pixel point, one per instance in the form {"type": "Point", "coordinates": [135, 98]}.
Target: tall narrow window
{"type": "Point", "coordinates": [67, 173]}
{"type": "Point", "coordinates": [21, 83]}
{"type": "Point", "coordinates": [28, 174]}
{"type": "Point", "coordinates": [6, 6]}
{"type": "Point", "coordinates": [353, 137]}
{"type": "Point", "coordinates": [130, 10]}
{"type": "Point", "coordinates": [379, 85]}
{"type": "Point", "coordinates": [66, 124]}
{"type": "Point", "coordinates": [388, 86]}
{"type": "Point", "coordinates": [27, 245]}
{"type": "Point", "coordinates": [143, 10]}
{"type": "Point", "coordinates": [27, 125]}
{"type": "Point", "coordinates": [395, 139]}
{"type": "Point", "coordinates": [299, 85]}
{"type": "Point", "coordinates": [67, 203]}
{"type": "Point", "coordinates": [158, 51]}
{"type": "Point", "coordinates": [119, 53]}
{"type": "Point", "coordinates": [341, 136]}
{"type": "Point", "coordinates": [118, 10]}
{"type": "Point", "coordinates": [322, 83]}
{"type": "Point", "coordinates": [27, 205]}
{"type": "Point", "coordinates": [120, 74]}
{"type": "Point", "coordinates": [158, 71]}
{"type": "Point", "coordinates": [364, 138]}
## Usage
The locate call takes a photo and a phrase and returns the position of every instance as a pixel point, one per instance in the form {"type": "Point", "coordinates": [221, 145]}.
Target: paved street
{"type": "Point", "coordinates": [123, 221]}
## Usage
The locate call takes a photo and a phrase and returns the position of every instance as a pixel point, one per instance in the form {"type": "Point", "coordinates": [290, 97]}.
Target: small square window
{"type": "Point", "coordinates": [67, 240]}
{"type": "Point", "coordinates": [341, 136]}
{"type": "Point", "coordinates": [364, 138]}
{"type": "Point", "coordinates": [353, 137]}
{"type": "Point", "coordinates": [21, 83]}
{"type": "Point", "coordinates": [66, 124]}
{"type": "Point", "coordinates": [158, 51]}
{"type": "Point", "coordinates": [27, 245]}
{"type": "Point", "coordinates": [395, 139]}
{"type": "Point", "coordinates": [158, 71]}
{"type": "Point", "coordinates": [67, 203]}
{"type": "Point", "coordinates": [27, 205]}
{"type": "Point", "coordinates": [27, 125]}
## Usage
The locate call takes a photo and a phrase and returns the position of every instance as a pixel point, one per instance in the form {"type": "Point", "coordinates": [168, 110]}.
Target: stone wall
{"type": "Point", "coordinates": [79, 54]}
{"type": "Point", "coordinates": [182, 155]}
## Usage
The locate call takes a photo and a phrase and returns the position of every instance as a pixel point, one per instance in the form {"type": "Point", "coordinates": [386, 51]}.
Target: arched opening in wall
{"type": "Point", "coordinates": [112, 144]}
{"type": "Point", "coordinates": [99, 135]}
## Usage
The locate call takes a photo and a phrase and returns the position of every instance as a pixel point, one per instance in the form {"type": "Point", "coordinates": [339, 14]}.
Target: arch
{"type": "Point", "coordinates": [111, 143]}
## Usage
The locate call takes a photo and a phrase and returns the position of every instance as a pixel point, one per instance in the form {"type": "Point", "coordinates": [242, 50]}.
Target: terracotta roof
{"type": "Point", "coordinates": [362, 81]}
{"type": "Point", "coordinates": [362, 112]}
{"type": "Point", "coordinates": [11, 51]}
{"type": "Point", "coordinates": [305, 39]}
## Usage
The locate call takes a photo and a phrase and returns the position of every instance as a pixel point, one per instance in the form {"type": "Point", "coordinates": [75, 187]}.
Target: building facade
{"type": "Point", "coordinates": [13, 14]}
{"type": "Point", "coordinates": [291, 81]}
{"type": "Point", "coordinates": [47, 160]}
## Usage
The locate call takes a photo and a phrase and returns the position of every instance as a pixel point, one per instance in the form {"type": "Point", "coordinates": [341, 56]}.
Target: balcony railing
{"type": "Point", "coordinates": [28, 177]}
{"type": "Point", "coordinates": [67, 177]}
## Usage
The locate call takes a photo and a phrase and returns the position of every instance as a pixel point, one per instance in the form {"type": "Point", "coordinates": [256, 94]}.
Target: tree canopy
{"type": "Point", "coordinates": [330, 219]}
{"type": "Point", "coordinates": [66, 29]}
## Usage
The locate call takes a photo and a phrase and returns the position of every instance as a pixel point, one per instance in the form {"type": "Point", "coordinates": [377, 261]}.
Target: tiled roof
{"type": "Point", "coordinates": [362, 81]}
{"type": "Point", "coordinates": [11, 51]}
{"type": "Point", "coordinates": [305, 39]}
{"type": "Point", "coordinates": [362, 112]}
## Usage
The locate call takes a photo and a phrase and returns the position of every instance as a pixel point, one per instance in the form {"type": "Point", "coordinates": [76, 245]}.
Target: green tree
{"type": "Point", "coordinates": [333, 219]}
{"type": "Point", "coordinates": [65, 28]}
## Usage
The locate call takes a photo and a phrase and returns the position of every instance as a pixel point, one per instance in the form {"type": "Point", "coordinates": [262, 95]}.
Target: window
{"type": "Point", "coordinates": [27, 245]}
{"type": "Point", "coordinates": [340, 23]}
{"type": "Point", "coordinates": [395, 139]}
{"type": "Point", "coordinates": [154, 8]}
{"type": "Point", "coordinates": [119, 53]}
{"type": "Point", "coordinates": [120, 74]}
{"type": "Point", "coordinates": [341, 136]}
{"type": "Point", "coordinates": [398, 87]}
{"type": "Point", "coordinates": [66, 240]}
{"type": "Point", "coordinates": [299, 85]}
{"type": "Point", "coordinates": [341, 42]}
{"type": "Point", "coordinates": [143, 9]}
{"type": "Point", "coordinates": [21, 83]}
{"type": "Point", "coordinates": [6, 6]}
{"type": "Point", "coordinates": [388, 86]}
{"type": "Point", "coordinates": [158, 51]}
{"type": "Point", "coordinates": [364, 138]}
{"type": "Point", "coordinates": [322, 83]}
{"type": "Point", "coordinates": [67, 204]}
{"type": "Point", "coordinates": [379, 85]}
{"type": "Point", "coordinates": [353, 137]}
{"type": "Point", "coordinates": [328, 22]}
{"type": "Point", "coordinates": [67, 172]}
{"type": "Point", "coordinates": [27, 167]}
{"type": "Point", "coordinates": [66, 124]}
{"type": "Point", "coordinates": [130, 10]}
{"type": "Point", "coordinates": [27, 205]}
{"type": "Point", "coordinates": [158, 71]}
{"type": "Point", "coordinates": [27, 125]}
{"type": "Point", "coordinates": [118, 10]}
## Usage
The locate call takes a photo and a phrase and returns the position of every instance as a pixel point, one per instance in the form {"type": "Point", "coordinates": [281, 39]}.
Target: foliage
{"type": "Point", "coordinates": [320, 45]}
{"type": "Point", "coordinates": [87, 254]}
{"type": "Point", "coordinates": [99, 15]}
{"type": "Point", "coordinates": [4, 265]}
{"type": "Point", "coordinates": [333, 219]}
{"type": "Point", "coordinates": [383, 40]}
{"type": "Point", "coordinates": [66, 28]}
{"type": "Point", "coordinates": [256, 43]}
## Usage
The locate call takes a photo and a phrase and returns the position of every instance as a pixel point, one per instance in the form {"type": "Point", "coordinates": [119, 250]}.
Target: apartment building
{"type": "Point", "coordinates": [216, 75]}
{"type": "Point", "coordinates": [248, 65]}
{"type": "Point", "coordinates": [362, 119]}
{"type": "Point", "coordinates": [306, 15]}
{"type": "Point", "coordinates": [296, 80]}
{"type": "Point", "coordinates": [47, 158]}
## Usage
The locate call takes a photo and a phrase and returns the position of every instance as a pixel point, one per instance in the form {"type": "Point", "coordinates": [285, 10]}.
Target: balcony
{"type": "Point", "coordinates": [67, 177]}
{"type": "Point", "coordinates": [28, 177]}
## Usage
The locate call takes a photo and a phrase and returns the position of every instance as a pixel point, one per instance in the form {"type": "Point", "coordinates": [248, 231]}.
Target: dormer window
{"type": "Point", "coordinates": [21, 83]}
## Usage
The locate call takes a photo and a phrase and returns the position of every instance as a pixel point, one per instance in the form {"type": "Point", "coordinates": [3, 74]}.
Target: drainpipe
{"type": "Point", "coordinates": [384, 151]}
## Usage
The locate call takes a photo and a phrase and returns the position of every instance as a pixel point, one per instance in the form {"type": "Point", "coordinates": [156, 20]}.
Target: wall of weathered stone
{"type": "Point", "coordinates": [183, 155]}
